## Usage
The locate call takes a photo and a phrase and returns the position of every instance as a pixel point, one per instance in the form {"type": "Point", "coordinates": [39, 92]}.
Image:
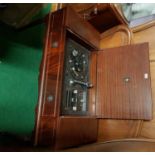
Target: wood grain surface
{"type": "Point", "coordinates": [82, 28]}
{"type": "Point", "coordinates": [117, 36]}
{"type": "Point", "coordinates": [110, 129]}
{"type": "Point", "coordinates": [50, 80]}
{"type": "Point", "coordinates": [115, 97]}
{"type": "Point", "coordinates": [123, 145]}
{"type": "Point", "coordinates": [97, 13]}
{"type": "Point", "coordinates": [147, 129]}
{"type": "Point", "coordinates": [50, 124]}
{"type": "Point", "coordinates": [74, 131]}
{"type": "Point", "coordinates": [51, 127]}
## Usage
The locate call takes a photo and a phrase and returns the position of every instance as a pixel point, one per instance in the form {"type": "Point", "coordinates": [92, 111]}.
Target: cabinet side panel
{"type": "Point", "coordinates": [110, 129]}
{"type": "Point", "coordinates": [50, 79]}
{"type": "Point", "coordinates": [84, 29]}
{"type": "Point", "coordinates": [54, 65]}
{"type": "Point", "coordinates": [74, 131]}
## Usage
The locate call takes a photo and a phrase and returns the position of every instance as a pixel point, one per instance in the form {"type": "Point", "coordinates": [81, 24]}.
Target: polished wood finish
{"type": "Point", "coordinates": [141, 34]}
{"type": "Point", "coordinates": [105, 18]}
{"type": "Point", "coordinates": [74, 131]}
{"type": "Point", "coordinates": [82, 29]}
{"type": "Point", "coordinates": [52, 128]}
{"type": "Point", "coordinates": [101, 16]}
{"type": "Point", "coordinates": [93, 80]}
{"type": "Point", "coordinates": [50, 124]}
{"type": "Point", "coordinates": [123, 145]}
{"type": "Point", "coordinates": [81, 7]}
{"type": "Point", "coordinates": [117, 8]}
{"type": "Point", "coordinates": [117, 36]}
{"type": "Point", "coordinates": [51, 75]}
{"type": "Point", "coordinates": [110, 129]}
{"type": "Point", "coordinates": [117, 98]}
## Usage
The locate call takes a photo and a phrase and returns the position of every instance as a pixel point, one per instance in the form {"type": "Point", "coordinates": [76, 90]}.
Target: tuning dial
{"type": "Point", "coordinates": [75, 53]}
{"type": "Point", "coordinates": [76, 79]}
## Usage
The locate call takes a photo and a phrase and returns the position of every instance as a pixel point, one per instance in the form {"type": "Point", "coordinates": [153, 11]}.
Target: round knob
{"type": "Point", "coordinates": [50, 98]}
{"type": "Point", "coordinates": [75, 53]}
{"type": "Point", "coordinates": [75, 91]}
{"type": "Point", "coordinates": [55, 44]}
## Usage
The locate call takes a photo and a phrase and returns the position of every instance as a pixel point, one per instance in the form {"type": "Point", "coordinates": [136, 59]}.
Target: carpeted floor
{"type": "Point", "coordinates": [20, 57]}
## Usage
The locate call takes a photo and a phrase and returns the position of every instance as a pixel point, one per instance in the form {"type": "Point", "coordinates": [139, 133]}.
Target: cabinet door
{"type": "Point", "coordinates": [123, 83]}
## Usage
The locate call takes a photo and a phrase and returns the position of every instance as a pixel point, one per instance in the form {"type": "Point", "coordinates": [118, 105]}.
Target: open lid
{"type": "Point", "coordinates": [123, 83]}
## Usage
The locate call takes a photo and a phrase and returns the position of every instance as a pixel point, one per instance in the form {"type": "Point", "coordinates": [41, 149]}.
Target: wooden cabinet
{"type": "Point", "coordinates": [123, 83]}
{"type": "Point", "coordinates": [120, 78]}
{"type": "Point", "coordinates": [102, 16]}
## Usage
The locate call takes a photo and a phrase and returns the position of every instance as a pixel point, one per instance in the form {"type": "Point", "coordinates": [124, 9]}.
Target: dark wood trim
{"type": "Point", "coordinates": [41, 81]}
{"type": "Point", "coordinates": [48, 122]}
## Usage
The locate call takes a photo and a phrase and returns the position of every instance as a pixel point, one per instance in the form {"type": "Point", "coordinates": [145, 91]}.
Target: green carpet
{"type": "Point", "coordinates": [20, 57]}
{"type": "Point", "coordinates": [18, 87]}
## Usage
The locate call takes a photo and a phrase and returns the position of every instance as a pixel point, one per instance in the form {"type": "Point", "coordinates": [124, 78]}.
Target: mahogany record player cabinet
{"type": "Point", "coordinates": [79, 82]}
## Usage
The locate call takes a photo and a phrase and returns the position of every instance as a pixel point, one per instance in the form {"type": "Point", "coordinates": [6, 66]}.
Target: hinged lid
{"type": "Point", "coordinates": [123, 83]}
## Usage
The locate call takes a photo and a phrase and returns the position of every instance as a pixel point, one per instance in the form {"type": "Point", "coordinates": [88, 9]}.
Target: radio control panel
{"type": "Point", "coordinates": [76, 79]}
